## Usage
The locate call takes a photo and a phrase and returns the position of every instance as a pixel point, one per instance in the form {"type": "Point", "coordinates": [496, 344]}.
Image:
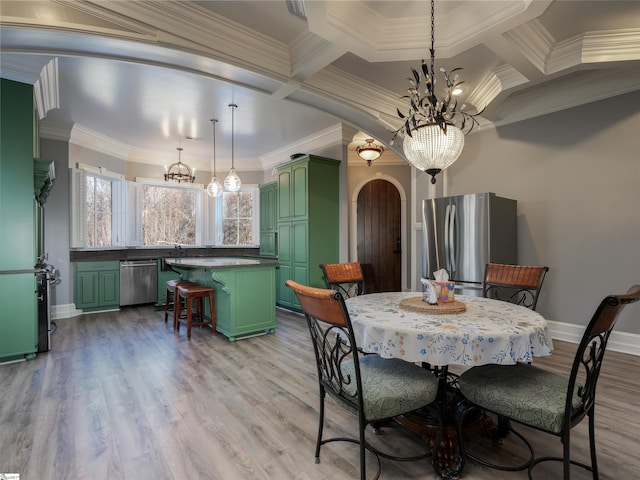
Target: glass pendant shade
{"type": "Point", "coordinates": [369, 151]}
{"type": "Point", "coordinates": [214, 189]}
{"type": "Point", "coordinates": [432, 150]}
{"type": "Point", "coordinates": [232, 183]}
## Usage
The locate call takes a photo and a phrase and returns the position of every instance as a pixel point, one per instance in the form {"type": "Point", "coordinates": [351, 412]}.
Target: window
{"type": "Point", "coordinates": [107, 211]}
{"type": "Point", "coordinates": [168, 215]}
{"type": "Point", "coordinates": [99, 212]}
{"type": "Point", "coordinates": [237, 218]}
{"type": "Point", "coordinates": [96, 212]}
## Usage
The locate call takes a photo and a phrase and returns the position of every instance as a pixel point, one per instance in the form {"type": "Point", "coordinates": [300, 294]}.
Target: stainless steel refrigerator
{"type": "Point", "coordinates": [463, 233]}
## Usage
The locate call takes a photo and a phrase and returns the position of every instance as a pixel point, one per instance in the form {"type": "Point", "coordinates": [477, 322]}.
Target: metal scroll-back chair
{"type": "Point", "coordinates": [519, 284]}
{"type": "Point", "coordinates": [345, 278]}
{"type": "Point", "coordinates": [545, 400]}
{"type": "Point", "coordinates": [373, 387]}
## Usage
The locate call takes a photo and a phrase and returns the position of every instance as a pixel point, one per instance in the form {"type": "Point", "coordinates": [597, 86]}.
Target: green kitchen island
{"type": "Point", "coordinates": [244, 291]}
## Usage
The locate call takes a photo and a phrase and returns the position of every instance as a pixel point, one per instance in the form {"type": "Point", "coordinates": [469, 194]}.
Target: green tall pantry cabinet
{"type": "Point", "coordinates": [308, 220]}
{"type": "Point", "coordinates": [18, 313]}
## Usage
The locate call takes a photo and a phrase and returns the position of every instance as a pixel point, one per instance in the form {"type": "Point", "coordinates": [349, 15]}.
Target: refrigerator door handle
{"type": "Point", "coordinates": [447, 216]}
{"type": "Point", "coordinates": [452, 244]}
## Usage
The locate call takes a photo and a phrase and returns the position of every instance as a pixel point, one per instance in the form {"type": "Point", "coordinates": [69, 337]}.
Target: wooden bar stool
{"type": "Point", "coordinates": [190, 292]}
{"type": "Point", "coordinates": [170, 299]}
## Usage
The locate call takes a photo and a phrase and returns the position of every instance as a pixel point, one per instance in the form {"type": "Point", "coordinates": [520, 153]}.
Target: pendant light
{"type": "Point", "coordinates": [214, 189]}
{"type": "Point", "coordinates": [369, 151]}
{"type": "Point", "coordinates": [432, 140]}
{"type": "Point", "coordinates": [179, 172]}
{"type": "Point", "coordinates": [232, 183]}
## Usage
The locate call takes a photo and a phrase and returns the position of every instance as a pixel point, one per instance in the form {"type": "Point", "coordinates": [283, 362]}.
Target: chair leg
{"type": "Point", "coordinates": [167, 302]}
{"type": "Point", "coordinates": [189, 306]}
{"type": "Point", "coordinates": [592, 444]}
{"type": "Point", "coordinates": [177, 308]}
{"type": "Point", "coordinates": [320, 426]}
{"type": "Point", "coordinates": [363, 465]}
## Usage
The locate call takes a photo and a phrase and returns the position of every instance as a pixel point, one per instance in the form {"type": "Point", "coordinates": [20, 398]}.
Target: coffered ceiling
{"type": "Point", "coordinates": [139, 77]}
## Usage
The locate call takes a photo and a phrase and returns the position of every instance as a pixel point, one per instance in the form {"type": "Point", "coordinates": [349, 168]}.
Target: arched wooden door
{"type": "Point", "coordinates": [379, 236]}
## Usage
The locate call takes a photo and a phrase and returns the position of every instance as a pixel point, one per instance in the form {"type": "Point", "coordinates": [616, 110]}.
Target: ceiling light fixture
{"type": "Point", "coordinates": [369, 151]}
{"type": "Point", "coordinates": [214, 189]}
{"type": "Point", "coordinates": [179, 172]}
{"type": "Point", "coordinates": [232, 182]}
{"type": "Point", "coordinates": [432, 140]}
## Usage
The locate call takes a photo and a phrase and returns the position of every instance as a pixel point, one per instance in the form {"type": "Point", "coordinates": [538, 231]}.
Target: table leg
{"type": "Point", "coordinates": [450, 462]}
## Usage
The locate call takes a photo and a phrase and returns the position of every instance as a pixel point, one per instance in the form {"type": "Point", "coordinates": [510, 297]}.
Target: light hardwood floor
{"type": "Point", "coordinates": [121, 396]}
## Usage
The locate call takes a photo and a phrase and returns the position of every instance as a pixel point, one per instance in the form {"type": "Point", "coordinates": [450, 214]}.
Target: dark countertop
{"type": "Point", "coordinates": [219, 262]}
{"type": "Point", "coordinates": [155, 253]}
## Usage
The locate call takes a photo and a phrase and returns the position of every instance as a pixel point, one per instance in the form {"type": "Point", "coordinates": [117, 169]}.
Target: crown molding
{"type": "Point", "coordinates": [83, 137]}
{"type": "Point", "coordinates": [196, 29]}
{"type": "Point", "coordinates": [533, 41]}
{"type": "Point", "coordinates": [595, 47]}
{"type": "Point", "coordinates": [20, 73]}
{"type": "Point", "coordinates": [46, 90]}
{"type": "Point", "coordinates": [329, 136]}
{"type": "Point", "coordinates": [55, 130]}
{"type": "Point", "coordinates": [377, 38]}
{"type": "Point", "coordinates": [577, 89]}
{"type": "Point", "coordinates": [310, 53]}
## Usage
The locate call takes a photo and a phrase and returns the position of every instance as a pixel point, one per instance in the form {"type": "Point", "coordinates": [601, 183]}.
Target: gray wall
{"type": "Point", "coordinates": [56, 219]}
{"type": "Point", "coordinates": [576, 176]}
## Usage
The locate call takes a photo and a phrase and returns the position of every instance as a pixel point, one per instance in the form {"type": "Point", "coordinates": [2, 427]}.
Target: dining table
{"type": "Point", "coordinates": [469, 331]}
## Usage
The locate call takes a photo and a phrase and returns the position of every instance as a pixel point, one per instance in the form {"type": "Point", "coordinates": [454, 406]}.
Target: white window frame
{"type": "Point", "coordinates": [255, 223]}
{"type": "Point", "coordinates": [78, 206]}
{"type": "Point", "coordinates": [127, 211]}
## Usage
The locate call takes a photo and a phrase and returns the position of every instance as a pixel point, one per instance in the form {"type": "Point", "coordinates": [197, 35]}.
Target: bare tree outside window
{"type": "Point", "coordinates": [168, 216]}
{"type": "Point", "coordinates": [99, 212]}
{"type": "Point", "coordinates": [237, 218]}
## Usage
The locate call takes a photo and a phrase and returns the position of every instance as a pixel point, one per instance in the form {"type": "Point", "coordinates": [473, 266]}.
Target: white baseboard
{"type": "Point", "coordinates": [623, 342]}
{"type": "Point", "coordinates": [64, 311]}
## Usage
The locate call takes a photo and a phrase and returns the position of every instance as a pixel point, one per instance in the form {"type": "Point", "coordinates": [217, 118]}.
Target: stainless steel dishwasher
{"type": "Point", "coordinates": [138, 282]}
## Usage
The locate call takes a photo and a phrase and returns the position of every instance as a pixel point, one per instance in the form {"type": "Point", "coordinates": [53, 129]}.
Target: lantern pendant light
{"type": "Point", "coordinates": [232, 183]}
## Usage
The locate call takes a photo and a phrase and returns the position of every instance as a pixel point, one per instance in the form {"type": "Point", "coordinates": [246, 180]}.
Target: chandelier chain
{"type": "Point", "coordinates": [433, 39]}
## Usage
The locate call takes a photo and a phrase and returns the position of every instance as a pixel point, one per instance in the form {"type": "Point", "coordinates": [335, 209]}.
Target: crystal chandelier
{"type": "Point", "coordinates": [432, 140]}
{"type": "Point", "coordinates": [369, 151]}
{"type": "Point", "coordinates": [179, 172]}
{"type": "Point", "coordinates": [214, 189]}
{"type": "Point", "coordinates": [232, 182]}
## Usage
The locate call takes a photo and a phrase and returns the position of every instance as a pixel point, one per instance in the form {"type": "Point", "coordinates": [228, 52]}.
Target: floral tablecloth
{"type": "Point", "coordinates": [489, 331]}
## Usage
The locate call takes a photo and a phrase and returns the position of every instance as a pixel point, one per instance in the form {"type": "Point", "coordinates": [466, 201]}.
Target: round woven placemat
{"type": "Point", "coordinates": [416, 304]}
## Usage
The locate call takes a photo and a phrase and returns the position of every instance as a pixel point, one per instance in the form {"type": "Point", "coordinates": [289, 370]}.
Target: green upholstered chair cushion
{"type": "Point", "coordinates": [521, 392]}
{"type": "Point", "coordinates": [391, 386]}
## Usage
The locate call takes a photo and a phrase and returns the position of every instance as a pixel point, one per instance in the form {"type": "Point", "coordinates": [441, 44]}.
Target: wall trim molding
{"type": "Point", "coordinates": [66, 310]}
{"type": "Point", "coordinates": [623, 342]}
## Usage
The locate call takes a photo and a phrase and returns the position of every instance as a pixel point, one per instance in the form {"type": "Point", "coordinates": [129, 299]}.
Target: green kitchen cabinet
{"type": "Point", "coordinates": [97, 285]}
{"type": "Point", "coordinates": [308, 220]}
{"type": "Point", "coordinates": [18, 241]}
{"type": "Point", "coordinates": [268, 219]}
